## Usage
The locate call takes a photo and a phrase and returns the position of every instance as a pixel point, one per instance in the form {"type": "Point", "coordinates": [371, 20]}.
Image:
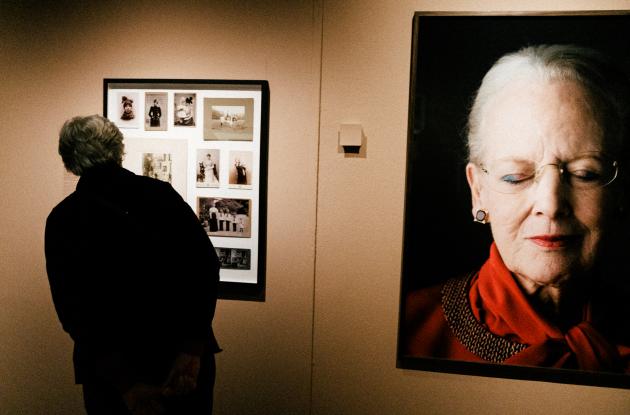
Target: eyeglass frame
{"type": "Point", "coordinates": [561, 166]}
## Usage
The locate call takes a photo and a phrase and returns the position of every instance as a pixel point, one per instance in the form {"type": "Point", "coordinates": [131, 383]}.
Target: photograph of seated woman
{"type": "Point", "coordinates": [547, 143]}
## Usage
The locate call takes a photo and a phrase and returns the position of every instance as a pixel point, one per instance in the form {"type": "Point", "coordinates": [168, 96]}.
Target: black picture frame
{"type": "Point", "coordinates": [246, 132]}
{"type": "Point", "coordinates": [450, 54]}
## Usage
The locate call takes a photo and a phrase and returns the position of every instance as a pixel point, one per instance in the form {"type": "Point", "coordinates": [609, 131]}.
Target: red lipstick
{"type": "Point", "coordinates": [552, 241]}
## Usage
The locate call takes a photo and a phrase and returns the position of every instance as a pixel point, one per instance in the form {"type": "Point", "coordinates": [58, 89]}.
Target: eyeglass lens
{"type": "Point", "coordinates": [583, 173]}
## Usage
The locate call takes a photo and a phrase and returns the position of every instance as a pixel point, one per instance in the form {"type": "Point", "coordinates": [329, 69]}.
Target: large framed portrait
{"type": "Point", "coordinates": [209, 139]}
{"type": "Point", "coordinates": [515, 243]}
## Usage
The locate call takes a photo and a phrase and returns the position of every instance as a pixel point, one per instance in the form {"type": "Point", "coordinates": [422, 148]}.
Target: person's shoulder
{"type": "Point", "coordinates": [424, 324]}
{"type": "Point", "coordinates": [424, 296]}
{"type": "Point", "coordinates": [156, 196]}
{"type": "Point", "coordinates": [148, 185]}
{"type": "Point", "coordinates": [422, 305]}
{"type": "Point", "coordinates": [64, 208]}
{"type": "Point", "coordinates": [429, 299]}
{"type": "Point", "coordinates": [146, 181]}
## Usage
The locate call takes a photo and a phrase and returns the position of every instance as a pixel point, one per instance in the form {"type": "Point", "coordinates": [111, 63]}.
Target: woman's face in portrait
{"type": "Point", "coordinates": [548, 230]}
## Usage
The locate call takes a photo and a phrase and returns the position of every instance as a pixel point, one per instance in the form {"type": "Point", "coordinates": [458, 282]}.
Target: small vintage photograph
{"type": "Point", "coordinates": [157, 166]}
{"type": "Point", "coordinates": [225, 216]}
{"type": "Point", "coordinates": [185, 109]}
{"type": "Point", "coordinates": [234, 258]}
{"type": "Point", "coordinates": [228, 119]}
{"type": "Point", "coordinates": [240, 176]}
{"type": "Point", "coordinates": [175, 149]}
{"type": "Point", "coordinates": [128, 105]}
{"type": "Point", "coordinates": [155, 111]}
{"type": "Point", "coordinates": [208, 163]}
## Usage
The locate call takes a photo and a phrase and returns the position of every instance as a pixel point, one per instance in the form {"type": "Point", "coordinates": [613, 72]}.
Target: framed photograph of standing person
{"type": "Point", "coordinates": [208, 165]}
{"type": "Point", "coordinates": [155, 111]}
{"type": "Point", "coordinates": [219, 168]}
{"type": "Point", "coordinates": [518, 143]}
{"type": "Point", "coordinates": [241, 171]}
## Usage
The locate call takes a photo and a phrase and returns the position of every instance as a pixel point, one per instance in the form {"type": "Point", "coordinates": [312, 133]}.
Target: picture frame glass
{"type": "Point", "coordinates": [451, 53]}
{"type": "Point", "coordinates": [209, 140]}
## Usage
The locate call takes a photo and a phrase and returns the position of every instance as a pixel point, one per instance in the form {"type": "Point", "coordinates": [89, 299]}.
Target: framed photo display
{"type": "Point", "coordinates": [209, 139]}
{"type": "Point", "coordinates": [449, 285]}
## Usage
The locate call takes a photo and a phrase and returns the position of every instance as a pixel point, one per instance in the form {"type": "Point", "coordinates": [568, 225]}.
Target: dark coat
{"type": "Point", "coordinates": [132, 274]}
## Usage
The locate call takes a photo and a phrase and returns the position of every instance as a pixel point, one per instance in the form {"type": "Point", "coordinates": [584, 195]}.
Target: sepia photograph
{"type": "Point", "coordinates": [128, 107]}
{"type": "Point", "coordinates": [241, 168]}
{"type": "Point", "coordinates": [234, 258]}
{"type": "Point", "coordinates": [225, 216]}
{"type": "Point", "coordinates": [184, 109]}
{"type": "Point", "coordinates": [157, 166]}
{"type": "Point", "coordinates": [177, 151]}
{"type": "Point", "coordinates": [208, 164]}
{"type": "Point", "coordinates": [155, 111]}
{"type": "Point", "coordinates": [526, 275]}
{"type": "Point", "coordinates": [228, 119]}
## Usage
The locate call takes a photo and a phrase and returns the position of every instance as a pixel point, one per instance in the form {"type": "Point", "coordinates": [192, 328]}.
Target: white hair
{"type": "Point", "coordinates": [605, 85]}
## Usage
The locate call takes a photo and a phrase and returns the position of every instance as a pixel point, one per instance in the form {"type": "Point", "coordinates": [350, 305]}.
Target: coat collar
{"type": "Point", "coordinates": [103, 177]}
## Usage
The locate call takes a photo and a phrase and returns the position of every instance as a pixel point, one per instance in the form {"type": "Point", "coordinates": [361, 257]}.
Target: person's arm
{"type": "Point", "coordinates": [183, 376]}
{"type": "Point", "coordinates": [197, 283]}
{"type": "Point", "coordinates": [143, 399]}
{"type": "Point", "coordinates": [65, 270]}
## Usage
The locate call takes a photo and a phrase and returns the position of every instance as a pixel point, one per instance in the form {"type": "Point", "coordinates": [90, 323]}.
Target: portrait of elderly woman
{"type": "Point", "coordinates": [547, 141]}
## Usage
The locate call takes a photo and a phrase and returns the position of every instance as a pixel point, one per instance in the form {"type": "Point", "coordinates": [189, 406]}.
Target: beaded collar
{"type": "Point", "coordinates": [470, 332]}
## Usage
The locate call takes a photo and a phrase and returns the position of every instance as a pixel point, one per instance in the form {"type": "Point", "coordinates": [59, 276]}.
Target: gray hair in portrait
{"type": "Point", "coordinates": [600, 78]}
{"type": "Point", "coordinates": [87, 141]}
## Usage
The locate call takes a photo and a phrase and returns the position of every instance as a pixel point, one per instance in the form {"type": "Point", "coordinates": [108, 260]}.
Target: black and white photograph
{"type": "Point", "coordinates": [157, 166]}
{"type": "Point", "coordinates": [228, 119]}
{"type": "Point", "coordinates": [225, 216]}
{"type": "Point", "coordinates": [234, 258]}
{"type": "Point", "coordinates": [241, 169]}
{"type": "Point", "coordinates": [208, 164]}
{"type": "Point", "coordinates": [185, 109]}
{"type": "Point", "coordinates": [128, 110]}
{"type": "Point", "coordinates": [155, 111]}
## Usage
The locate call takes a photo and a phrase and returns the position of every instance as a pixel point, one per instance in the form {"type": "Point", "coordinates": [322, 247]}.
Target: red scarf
{"type": "Point", "coordinates": [499, 303]}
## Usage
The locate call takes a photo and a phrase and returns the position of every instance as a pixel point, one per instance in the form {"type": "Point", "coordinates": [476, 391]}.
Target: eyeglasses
{"type": "Point", "coordinates": [583, 173]}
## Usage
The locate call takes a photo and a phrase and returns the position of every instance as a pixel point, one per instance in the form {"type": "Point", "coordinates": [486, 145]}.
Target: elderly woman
{"type": "Point", "coordinates": [133, 278]}
{"type": "Point", "coordinates": [547, 135]}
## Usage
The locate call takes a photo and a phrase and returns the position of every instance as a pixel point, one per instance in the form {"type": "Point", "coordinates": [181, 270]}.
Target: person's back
{"type": "Point", "coordinates": [134, 277]}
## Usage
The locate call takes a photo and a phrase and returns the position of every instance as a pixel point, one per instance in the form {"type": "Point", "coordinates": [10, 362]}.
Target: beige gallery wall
{"type": "Point", "coordinates": [365, 79]}
{"type": "Point", "coordinates": [53, 57]}
{"type": "Point", "coordinates": [327, 276]}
